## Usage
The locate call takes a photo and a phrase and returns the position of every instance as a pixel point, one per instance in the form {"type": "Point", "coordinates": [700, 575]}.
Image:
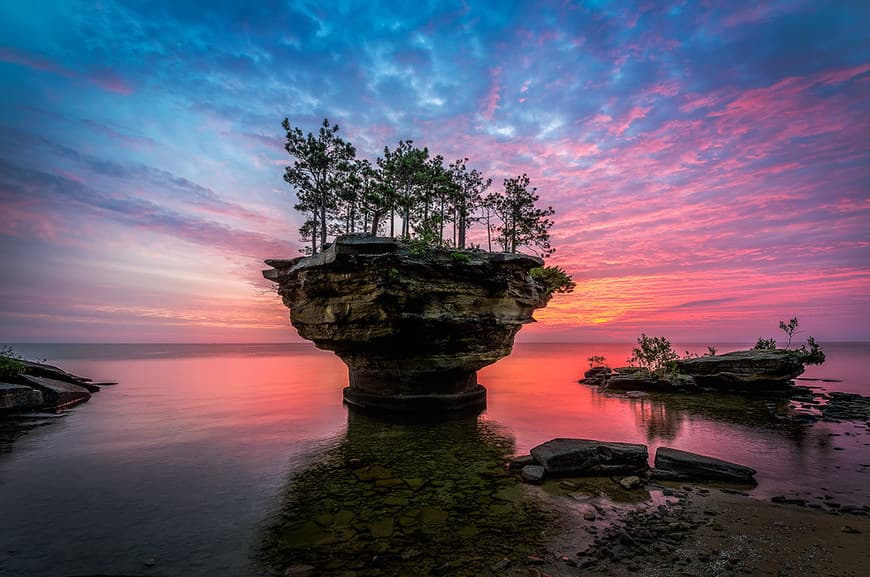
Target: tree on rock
{"type": "Point", "coordinates": [522, 222]}
{"type": "Point", "coordinates": [321, 169]}
{"type": "Point", "coordinates": [468, 190]}
{"type": "Point", "coordinates": [405, 172]}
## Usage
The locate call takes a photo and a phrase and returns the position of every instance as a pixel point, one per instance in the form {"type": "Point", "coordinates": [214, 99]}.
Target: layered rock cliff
{"type": "Point", "coordinates": [413, 324]}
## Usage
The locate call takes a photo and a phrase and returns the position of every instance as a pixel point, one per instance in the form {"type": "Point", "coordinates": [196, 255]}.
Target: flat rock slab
{"type": "Point", "coordinates": [673, 464]}
{"type": "Point", "coordinates": [19, 396]}
{"type": "Point", "coordinates": [58, 393]}
{"type": "Point", "coordinates": [589, 457]}
{"type": "Point", "coordinates": [753, 369]}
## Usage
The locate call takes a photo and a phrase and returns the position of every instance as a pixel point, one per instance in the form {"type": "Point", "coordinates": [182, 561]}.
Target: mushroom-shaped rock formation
{"type": "Point", "coordinates": [412, 323]}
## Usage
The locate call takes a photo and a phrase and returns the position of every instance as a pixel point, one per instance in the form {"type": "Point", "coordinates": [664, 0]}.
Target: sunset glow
{"type": "Point", "coordinates": [708, 162]}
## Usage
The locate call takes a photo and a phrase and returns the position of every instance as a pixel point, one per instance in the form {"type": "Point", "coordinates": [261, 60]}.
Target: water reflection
{"type": "Point", "coordinates": [402, 499]}
{"type": "Point", "coordinates": [662, 416]}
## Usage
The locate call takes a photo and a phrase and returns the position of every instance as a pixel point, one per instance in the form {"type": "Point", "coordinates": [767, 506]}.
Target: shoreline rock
{"type": "Point", "coordinates": [40, 387]}
{"type": "Point", "coordinates": [752, 370]}
{"type": "Point", "coordinates": [676, 465]}
{"type": "Point", "coordinates": [589, 457]}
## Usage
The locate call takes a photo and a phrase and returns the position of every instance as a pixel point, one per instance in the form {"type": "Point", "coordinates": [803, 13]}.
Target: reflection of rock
{"type": "Point", "coordinates": [673, 464]}
{"type": "Point", "coordinates": [399, 499]}
{"type": "Point", "coordinates": [413, 327]}
{"type": "Point", "coordinates": [744, 370]}
{"type": "Point", "coordinates": [587, 457]}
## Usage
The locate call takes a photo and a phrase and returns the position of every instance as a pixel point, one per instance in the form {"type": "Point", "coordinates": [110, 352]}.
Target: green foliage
{"type": "Point", "coordinates": [418, 248]}
{"type": "Point", "coordinates": [462, 257]}
{"type": "Point", "coordinates": [654, 354]}
{"type": "Point", "coordinates": [789, 329]}
{"type": "Point", "coordinates": [554, 279]}
{"type": "Point", "coordinates": [597, 361]}
{"type": "Point", "coordinates": [10, 363]}
{"type": "Point", "coordinates": [765, 345]}
{"type": "Point", "coordinates": [811, 353]}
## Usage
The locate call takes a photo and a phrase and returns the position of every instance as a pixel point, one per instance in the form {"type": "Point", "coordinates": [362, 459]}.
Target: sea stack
{"type": "Point", "coordinates": [412, 323]}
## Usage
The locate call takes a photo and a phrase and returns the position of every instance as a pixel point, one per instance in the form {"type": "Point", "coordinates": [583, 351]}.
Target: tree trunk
{"type": "Point", "coordinates": [462, 220]}
{"type": "Point", "coordinates": [314, 232]}
{"type": "Point", "coordinates": [322, 224]}
{"type": "Point", "coordinates": [488, 232]}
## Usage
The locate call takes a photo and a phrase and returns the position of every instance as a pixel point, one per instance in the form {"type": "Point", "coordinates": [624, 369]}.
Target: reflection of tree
{"type": "Point", "coordinates": [662, 415]}
{"type": "Point", "coordinates": [656, 419]}
{"type": "Point", "coordinates": [396, 499]}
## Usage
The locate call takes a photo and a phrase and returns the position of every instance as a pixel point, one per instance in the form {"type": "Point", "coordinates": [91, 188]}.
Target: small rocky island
{"type": "Point", "coordinates": [413, 324]}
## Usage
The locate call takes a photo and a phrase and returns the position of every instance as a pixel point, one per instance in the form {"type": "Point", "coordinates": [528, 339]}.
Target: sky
{"type": "Point", "coordinates": [709, 162]}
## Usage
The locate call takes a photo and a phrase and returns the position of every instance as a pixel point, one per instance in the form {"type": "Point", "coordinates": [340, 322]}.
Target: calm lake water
{"type": "Point", "coordinates": [181, 468]}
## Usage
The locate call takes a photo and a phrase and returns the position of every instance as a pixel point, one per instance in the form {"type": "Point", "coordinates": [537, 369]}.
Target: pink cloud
{"type": "Point", "coordinates": [491, 100]}
{"type": "Point", "coordinates": [107, 81]}
{"type": "Point", "coordinates": [624, 123]}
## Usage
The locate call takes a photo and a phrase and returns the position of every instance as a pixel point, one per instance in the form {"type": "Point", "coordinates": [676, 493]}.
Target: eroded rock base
{"type": "Point", "coordinates": [464, 402]}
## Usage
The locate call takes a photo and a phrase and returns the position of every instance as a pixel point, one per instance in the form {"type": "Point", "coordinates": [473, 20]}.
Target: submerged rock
{"type": "Point", "coordinates": [589, 457]}
{"type": "Point", "coordinates": [412, 326]}
{"type": "Point", "coordinates": [673, 464]}
{"type": "Point", "coordinates": [744, 370]}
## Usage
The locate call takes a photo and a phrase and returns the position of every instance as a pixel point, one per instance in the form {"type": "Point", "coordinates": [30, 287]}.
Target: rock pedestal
{"type": "Point", "coordinates": [413, 324]}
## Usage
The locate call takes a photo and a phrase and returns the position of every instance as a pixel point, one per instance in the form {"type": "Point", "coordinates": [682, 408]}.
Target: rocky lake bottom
{"type": "Point", "coordinates": [241, 459]}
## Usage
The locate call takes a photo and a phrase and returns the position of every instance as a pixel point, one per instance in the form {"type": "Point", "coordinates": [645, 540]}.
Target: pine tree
{"type": "Point", "coordinates": [523, 224]}
{"type": "Point", "coordinates": [320, 170]}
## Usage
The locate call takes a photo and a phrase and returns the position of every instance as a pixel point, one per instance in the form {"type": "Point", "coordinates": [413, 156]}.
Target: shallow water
{"type": "Point", "coordinates": [187, 465]}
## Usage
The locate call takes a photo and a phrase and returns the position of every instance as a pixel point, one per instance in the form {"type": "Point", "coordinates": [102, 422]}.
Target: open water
{"type": "Point", "coordinates": [190, 463]}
